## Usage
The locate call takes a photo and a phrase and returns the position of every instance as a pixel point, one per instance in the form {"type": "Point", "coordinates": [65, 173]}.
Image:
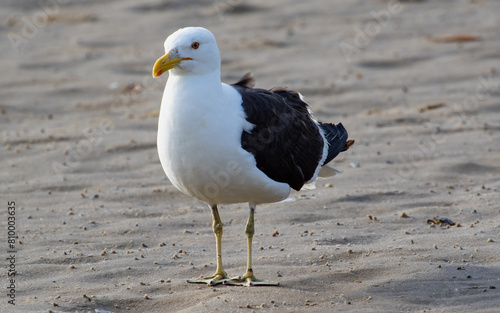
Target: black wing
{"type": "Point", "coordinates": [246, 81]}
{"type": "Point", "coordinates": [285, 141]}
{"type": "Point", "coordinates": [336, 135]}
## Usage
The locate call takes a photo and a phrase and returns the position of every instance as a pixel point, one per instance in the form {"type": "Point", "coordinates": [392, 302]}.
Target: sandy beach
{"type": "Point", "coordinates": [90, 223]}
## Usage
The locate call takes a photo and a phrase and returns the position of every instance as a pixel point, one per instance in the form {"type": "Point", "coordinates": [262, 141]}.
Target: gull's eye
{"type": "Point", "coordinates": [195, 45]}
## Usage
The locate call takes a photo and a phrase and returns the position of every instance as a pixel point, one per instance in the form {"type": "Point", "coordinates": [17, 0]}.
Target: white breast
{"type": "Point", "coordinates": [199, 144]}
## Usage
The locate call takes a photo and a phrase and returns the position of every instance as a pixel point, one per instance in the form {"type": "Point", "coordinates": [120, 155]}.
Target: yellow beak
{"type": "Point", "coordinates": [166, 63]}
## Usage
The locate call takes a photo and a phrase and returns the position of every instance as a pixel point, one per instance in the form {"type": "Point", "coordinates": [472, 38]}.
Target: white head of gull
{"type": "Point", "coordinates": [226, 144]}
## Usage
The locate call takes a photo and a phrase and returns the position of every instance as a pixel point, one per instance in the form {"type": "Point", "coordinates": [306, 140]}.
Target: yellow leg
{"type": "Point", "coordinates": [220, 276]}
{"type": "Point", "coordinates": [249, 278]}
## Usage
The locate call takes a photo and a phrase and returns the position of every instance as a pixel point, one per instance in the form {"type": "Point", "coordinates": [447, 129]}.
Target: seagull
{"type": "Point", "coordinates": [224, 144]}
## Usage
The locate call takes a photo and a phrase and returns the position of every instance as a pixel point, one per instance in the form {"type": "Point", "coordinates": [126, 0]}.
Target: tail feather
{"type": "Point", "coordinates": [348, 144]}
{"type": "Point", "coordinates": [336, 136]}
{"type": "Point", "coordinates": [328, 171]}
